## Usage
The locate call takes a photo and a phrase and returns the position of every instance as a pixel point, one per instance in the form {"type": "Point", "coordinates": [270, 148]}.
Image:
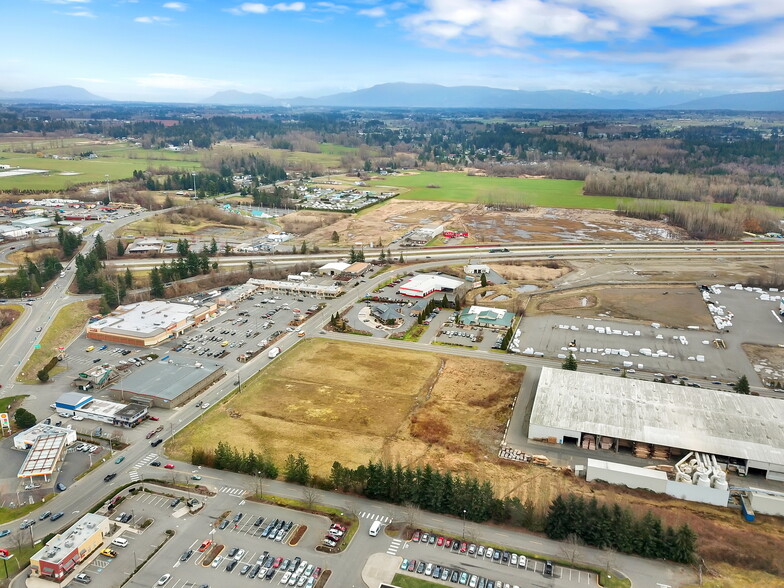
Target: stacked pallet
{"type": "Point", "coordinates": [642, 450]}
{"type": "Point", "coordinates": [605, 443]}
{"type": "Point", "coordinates": [660, 452]}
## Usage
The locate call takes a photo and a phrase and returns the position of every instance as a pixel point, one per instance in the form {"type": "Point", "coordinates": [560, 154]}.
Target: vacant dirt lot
{"type": "Point", "coordinates": [395, 218]}
{"type": "Point", "coordinates": [677, 306]}
{"type": "Point", "coordinates": [768, 361]}
{"type": "Point", "coordinates": [351, 403]}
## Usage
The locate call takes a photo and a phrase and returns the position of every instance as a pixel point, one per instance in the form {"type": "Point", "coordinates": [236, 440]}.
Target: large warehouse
{"type": "Point", "coordinates": [167, 384]}
{"type": "Point", "coordinates": [624, 413]}
{"type": "Point", "coordinates": [148, 323]}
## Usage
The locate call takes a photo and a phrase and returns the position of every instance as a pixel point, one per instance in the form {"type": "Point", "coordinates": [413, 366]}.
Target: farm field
{"type": "Point", "coordinates": [118, 160]}
{"type": "Point", "coordinates": [460, 187]}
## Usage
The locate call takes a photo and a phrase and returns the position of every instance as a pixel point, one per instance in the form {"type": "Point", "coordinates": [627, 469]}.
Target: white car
{"type": "Point", "coordinates": [165, 578]}
{"type": "Point", "coordinates": [239, 554]}
{"type": "Point", "coordinates": [78, 417]}
{"type": "Point", "coordinates": [205, 404]}
{"type": "Point", "coordinates": [216, 562]}
{"type": "Point", "coordinates": [285, 578]}
{"type": "Point", "coordinates": [522, 561]}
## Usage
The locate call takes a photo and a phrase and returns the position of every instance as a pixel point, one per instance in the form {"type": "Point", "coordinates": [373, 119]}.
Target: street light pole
{"type": "Point", "coordinates": [193, 175]}
{"type": "Point", "coordinates": [108, 188]}
{"type": "Point", "coordinates": [464, 522]}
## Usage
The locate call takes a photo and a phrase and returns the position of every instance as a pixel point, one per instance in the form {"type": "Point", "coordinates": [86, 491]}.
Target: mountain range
{"type": "Point", "coordinates": [405, 95]}
{"type": "Point", "coordinates": [57, 94]}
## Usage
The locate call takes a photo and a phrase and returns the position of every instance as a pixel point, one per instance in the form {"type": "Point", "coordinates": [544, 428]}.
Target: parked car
{"type": "Point", "coordinates": [109, 552]}
{"type": "Point", "coordinates": [5, 533]}
{"type": "Point", "coordinates": [165, 578]}
{"type": "Point", "coordinates": [85, 579]}
{"type": "Point", "coordinates": [61, 487]}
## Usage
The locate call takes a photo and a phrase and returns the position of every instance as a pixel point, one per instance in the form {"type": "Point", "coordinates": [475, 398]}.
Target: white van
{"type": "Point", "coordinates": [120, 542]}
{"type": "Point", "coordinates": [375, 528]}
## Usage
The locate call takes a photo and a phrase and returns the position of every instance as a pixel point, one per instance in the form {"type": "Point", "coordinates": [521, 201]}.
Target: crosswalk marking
{"type": "Point", "coordinates": [146, 459]}
{"type": "Point", "coordinates": [375, 517]}
{"type": "Point", "coordinates": [232, 491]}
{"type": "Point", "coordinates": [394, 546]}
{"type": "Point", "coordinates": [134, 475]}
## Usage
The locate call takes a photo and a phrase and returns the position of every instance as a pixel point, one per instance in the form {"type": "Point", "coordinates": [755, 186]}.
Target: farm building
{"type": "Point", "coordinates": [423, 285]}
{"type": "Point", "coordinates": [63, 552]}
{"type": "Point", "coordinates": [148, 323]}
{"type": "Point", "coordinates": [486, 317]}
{"type": "Point", "coordinates": [167, 384]}
{"type": "Point", "coordinates": [658, 420]}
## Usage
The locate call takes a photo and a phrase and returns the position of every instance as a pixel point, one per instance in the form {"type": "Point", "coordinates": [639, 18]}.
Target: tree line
{"type": "Point", "coordinates": [92, 277]}
{"type": "Point", "coordinates": [467, 497]}
{"type": "Point", "coordinates": [615, 527]}
{"type": "Point", "coordinates": [702, 220]}
{"type": "Point", "coordinates": [30, 276]}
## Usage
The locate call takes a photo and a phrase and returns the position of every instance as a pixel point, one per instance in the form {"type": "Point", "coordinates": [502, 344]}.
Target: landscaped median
{"type": "Point", "coordinates": [65, 327]}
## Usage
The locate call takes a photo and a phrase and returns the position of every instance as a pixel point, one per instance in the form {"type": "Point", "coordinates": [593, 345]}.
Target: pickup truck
{"type": "Point", "coordinates": [274, 352]}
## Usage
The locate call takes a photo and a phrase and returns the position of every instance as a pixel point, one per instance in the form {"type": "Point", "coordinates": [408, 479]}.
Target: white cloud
{"type": "Point", "coordinates": [259, 8]}
{"type": "Point", "coordinates": [514, 23]}
{"type": "Point", "coordinates": [375, 12]}
{"type": "Point", "coordinates": [292, 7]}
{"type": "Point", "coordinates": [152, 19]}
{"type": "Point", "coordinates": [171, 81]}
{"type": "Point", "coordinates": [80, 12]}
{"type": "Point", "coordinates": [178, 6]}
{"type": "Point", "coordinates": [330, 7]}
{"type": "Point", "coordinates": [67, 1]}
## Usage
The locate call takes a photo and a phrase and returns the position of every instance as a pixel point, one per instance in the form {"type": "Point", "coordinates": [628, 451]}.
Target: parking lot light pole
{"type": "Point", "coordinates": [464, 522]}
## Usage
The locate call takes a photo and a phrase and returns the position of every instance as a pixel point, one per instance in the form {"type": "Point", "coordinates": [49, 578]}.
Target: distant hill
{"type": "Point", "coordinates": [53, 94]}
{"type": "Point", "coordinates": [405, 95]}
{"type": "Point", "coordinates": [237, 98]}
{"type": "Point", "coordinates": [764, 101]}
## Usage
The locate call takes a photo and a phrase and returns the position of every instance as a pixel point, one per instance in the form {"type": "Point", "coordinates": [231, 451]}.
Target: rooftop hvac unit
{"type": "Point", "coordinates": [69, 543]}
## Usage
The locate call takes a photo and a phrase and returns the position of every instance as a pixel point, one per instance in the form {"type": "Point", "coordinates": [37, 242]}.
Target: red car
{"type": "Point", "coordinates": [416, 535]}
{"type": "Point", "coordinates": [440, 541]}
{"type": "Point", "coordinates": [448, 542]}
{"type": "Point", "coordinates": [463, 547]}
{"type": "Point", "coordinates": [152, 418]}
{"type": "Point", "coordinates": [205, 545]}
{"type": "Point", "coordinates": [169, 466]}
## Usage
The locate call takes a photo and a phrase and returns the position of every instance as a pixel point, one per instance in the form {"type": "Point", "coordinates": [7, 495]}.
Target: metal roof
{"type": "Point", "coordinates": [73, 399]}
{"type": "Point", "coordinates": [167, 380]}
{"type": "Point", "coordinates": [695, 419]}
{"type": "Point", "coordinates": [43, 455]}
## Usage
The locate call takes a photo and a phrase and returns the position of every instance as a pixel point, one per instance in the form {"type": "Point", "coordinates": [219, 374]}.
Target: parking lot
{"type": "Point", "coordinates": [454, 561]}
{"type": "Point", "coordinates": [254, 539]}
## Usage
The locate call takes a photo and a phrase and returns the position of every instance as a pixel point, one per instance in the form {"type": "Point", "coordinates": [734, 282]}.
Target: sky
{"type": "Point", "coordinates": [187, 50]}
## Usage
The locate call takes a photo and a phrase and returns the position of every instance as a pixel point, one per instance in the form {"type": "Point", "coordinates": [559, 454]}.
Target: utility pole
{"type": "Point", "coordinates": [108, 188]}
{"type": "Point", "coordinates": [464, 522]}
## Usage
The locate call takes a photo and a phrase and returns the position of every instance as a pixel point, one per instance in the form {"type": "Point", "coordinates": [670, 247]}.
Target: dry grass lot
{"type": "Point", "coordinates": [20, 257]}
{"type": "Point", "coordinates": [672, 306]}
{"type": "Point", "coordinates": [353, 403]}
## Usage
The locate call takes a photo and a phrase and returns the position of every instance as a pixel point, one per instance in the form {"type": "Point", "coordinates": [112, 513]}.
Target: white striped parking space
{"type": "Point", "coordinates": [375, 517]}
{"type": "Point", "coordinates": [394, 546]}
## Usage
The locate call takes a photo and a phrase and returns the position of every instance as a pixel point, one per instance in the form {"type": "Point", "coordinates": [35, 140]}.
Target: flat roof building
{"type": "Point", "coordinates": [62, 553]}
{"type": "Point", "coordinates": [167, 384]}
{"type": "Point", "coordinates": [484, 316]}
{"type": "Point", "coordinates": [744, 429]}
{"type": "Point", "coordinates": [26, 439]}
{"type": "Point", "coordinates": [423, 285]}
{"type": "Point", "coordinates": [145, 246]}
{"type": "Point", "coordinates": [333, 268]}
{"type": "Point", "coordinates": [148, 323]}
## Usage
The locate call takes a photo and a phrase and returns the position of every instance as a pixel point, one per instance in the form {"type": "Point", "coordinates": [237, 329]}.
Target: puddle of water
{"type": "Point", "coordinates": [527, 288]}
{"type": "Point", "coordinates": [501, 298]}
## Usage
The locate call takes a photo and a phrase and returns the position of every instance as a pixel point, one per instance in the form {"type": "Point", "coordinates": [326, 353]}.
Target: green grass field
{"type": "Point", "coordinates": [459, 187]}
{"type": "Point", "coordinates": [117, 161]}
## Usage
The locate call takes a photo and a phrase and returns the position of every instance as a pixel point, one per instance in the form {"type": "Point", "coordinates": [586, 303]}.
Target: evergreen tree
{"type": "Point", "coordinates": [683, 546]}
{"type": "Point", "coordinates": [183, 247]}
{"type": "Point", "coordinates": [213, 246]}
{"type": "Point", "coordinates": [128, 279]}
{"type": "Point", "coordinates": [483, 280]}
{"type": "Point", "coordinates": [100, 248]}
{"type": "Point", "coordinates": [156, 284]}
{"type": "Point", "coordinates": [335, 237]}
{"type": "Point", "coordinates": [24, 419]}
{"type": "Point", "coordinates": [570, 363]}
{"type": "Point", "coordinates": [120, 248]}
{"type": "Point", "coordinates": [742, 387]}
